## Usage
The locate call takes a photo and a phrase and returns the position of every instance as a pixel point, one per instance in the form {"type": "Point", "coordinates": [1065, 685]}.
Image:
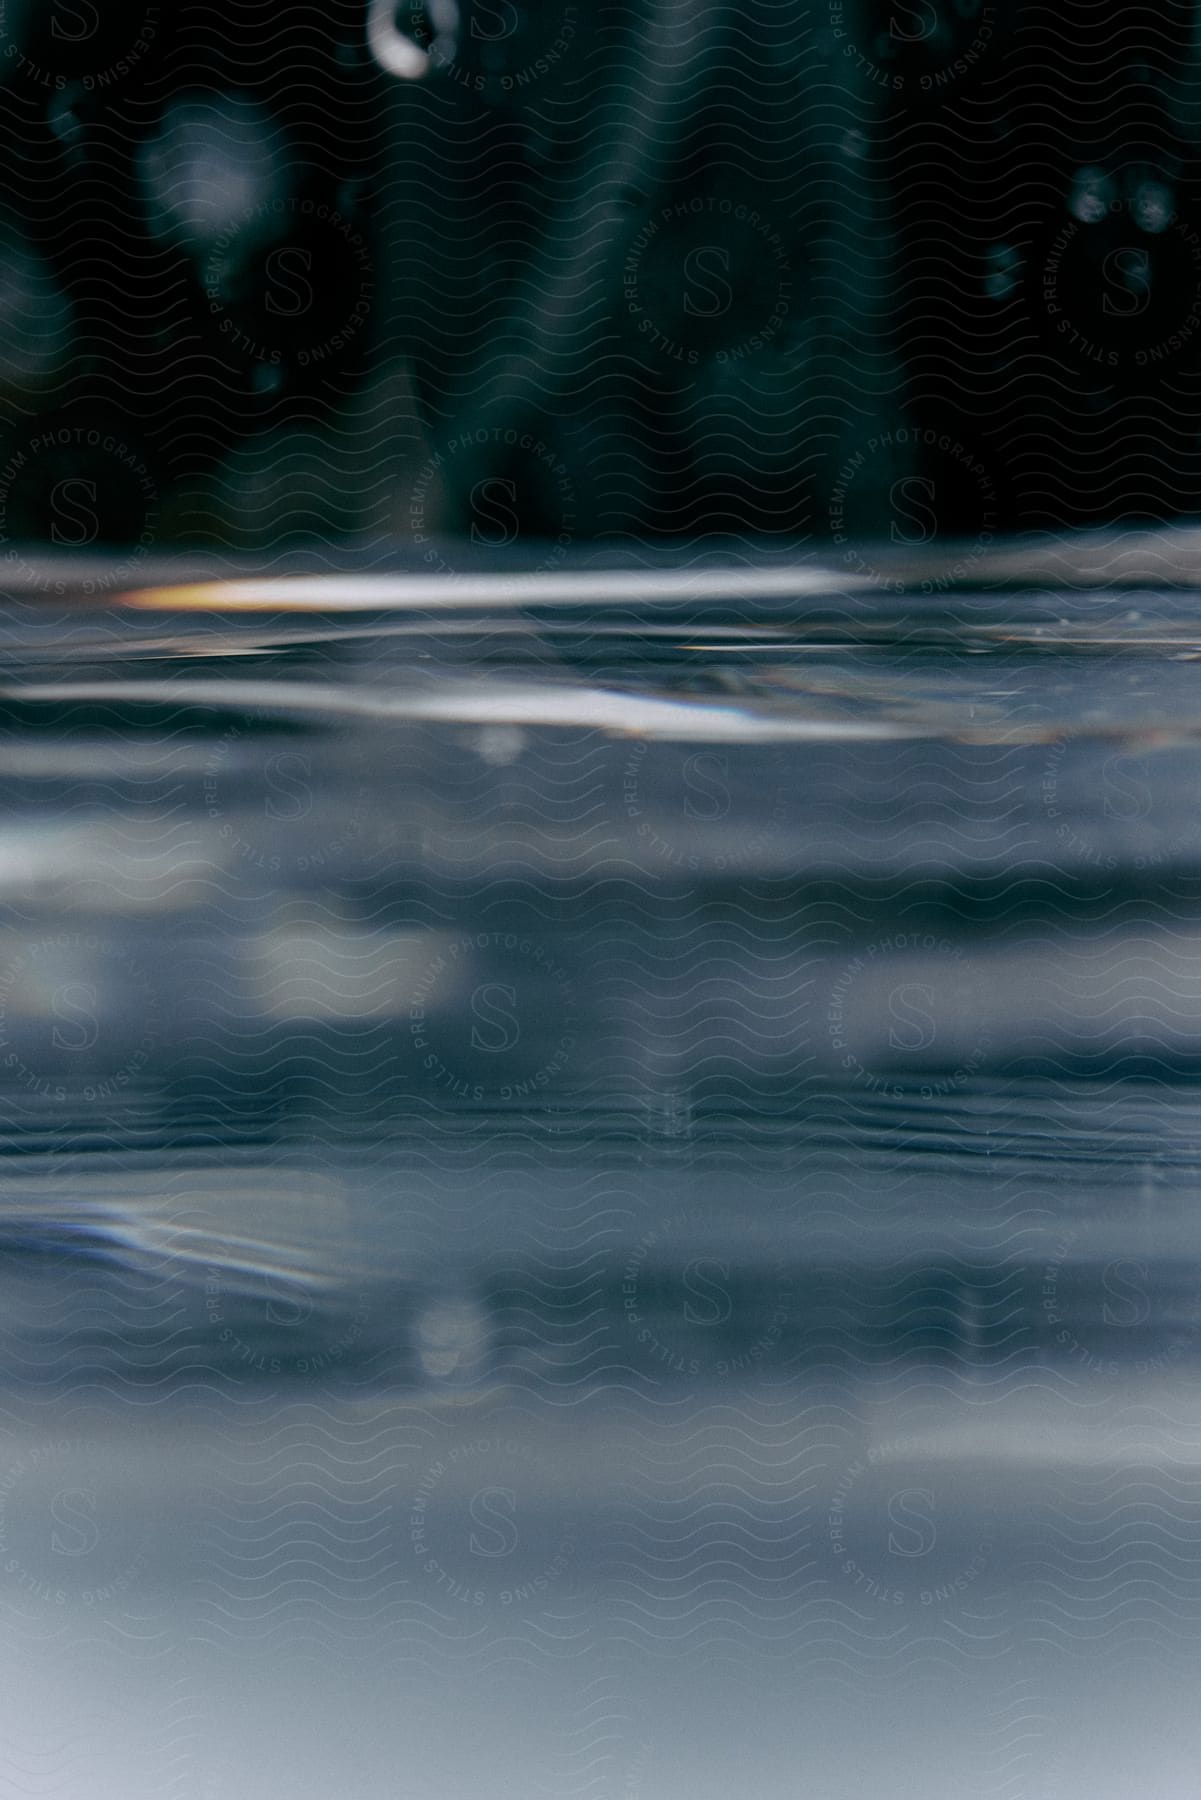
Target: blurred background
{"type": "Point", "coordinates": [808, 269]}
{"type": "Point", "coordinates": [598, 1180]}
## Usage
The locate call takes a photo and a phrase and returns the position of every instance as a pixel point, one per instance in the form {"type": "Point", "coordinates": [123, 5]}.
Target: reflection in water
{"type": "Point", "coordinates": [600, 1192]}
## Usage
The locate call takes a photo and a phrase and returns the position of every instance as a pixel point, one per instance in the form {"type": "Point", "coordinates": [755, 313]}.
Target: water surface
{"type": "Point", "coordinates": [599, 1181]}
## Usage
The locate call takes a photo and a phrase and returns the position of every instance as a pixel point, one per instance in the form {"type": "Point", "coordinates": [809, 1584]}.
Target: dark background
{"type": "Point", "coordinates": [621, 272]}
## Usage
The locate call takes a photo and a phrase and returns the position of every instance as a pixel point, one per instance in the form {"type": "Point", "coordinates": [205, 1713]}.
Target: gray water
{"type": "Point", "coordinates": [599, 1184]}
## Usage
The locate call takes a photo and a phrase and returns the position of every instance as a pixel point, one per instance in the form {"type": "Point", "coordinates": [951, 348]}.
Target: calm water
{"type": "Point", "coordinates": [600, 1184]}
